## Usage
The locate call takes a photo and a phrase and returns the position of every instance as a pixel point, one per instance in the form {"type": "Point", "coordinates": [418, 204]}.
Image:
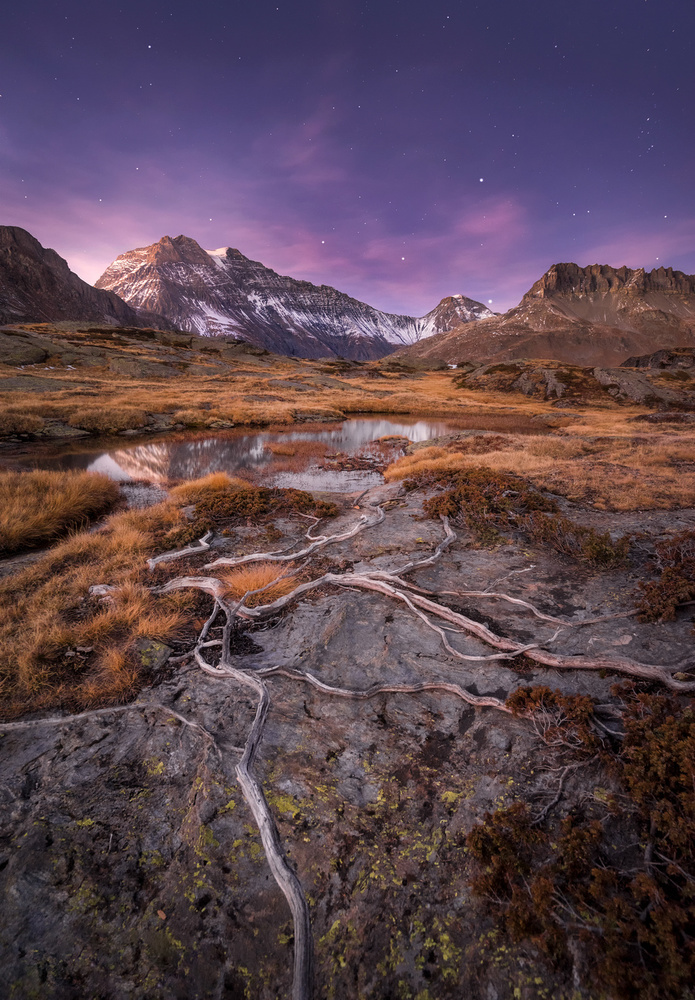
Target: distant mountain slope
{"type": "Point", "coordinates": [222, 292]}
{"type": "Point", "coordinates": [37, 286]}
{"type": "Point", "coordinates": [596, 315]}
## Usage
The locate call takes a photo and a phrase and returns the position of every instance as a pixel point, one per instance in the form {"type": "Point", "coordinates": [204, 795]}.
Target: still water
{"type": "Point", "coordinates": [192, 456]}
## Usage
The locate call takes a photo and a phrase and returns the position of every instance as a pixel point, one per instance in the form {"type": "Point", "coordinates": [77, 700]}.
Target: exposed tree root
{"type": "Point", "coordinates": [202, 545]}
{"type": "Point", "coordinates": [316, 543]}
{"type": "Point", "coordinates": [364, 694]}
{"type": "Point", "coordinates": [62, 720]}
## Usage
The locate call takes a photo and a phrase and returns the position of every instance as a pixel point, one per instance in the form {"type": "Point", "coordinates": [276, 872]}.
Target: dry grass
{"type": "Point", "coordinates": [612, 471]}
{"type": "Point", "coordinates": [61, 647]}
{"type": "Point", "coordinates": [107, 419]}
{"type": "Point", "coordinates": [260, 576]}
{"type": "Point", "coordinates": [38, 507]}
{"type": "Point", "coordinates": [199, 489]}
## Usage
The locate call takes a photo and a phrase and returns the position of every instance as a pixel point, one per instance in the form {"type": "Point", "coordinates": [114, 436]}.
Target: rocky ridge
{"type": "Point", "coordinates": [665, 380]}
{"type": "Point", "coordinates": [37, 286]}
{"type": "Point", "coordinates": [597, 315]}
{"type": "Point", "coordinates": [222, 292]}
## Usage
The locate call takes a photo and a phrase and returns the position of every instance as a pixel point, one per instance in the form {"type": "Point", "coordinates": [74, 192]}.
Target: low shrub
{"type": "Point", "coordinates": [659, 599]}
{"type": "Point", "coordinates": [258, 501]}
{"type": "Point", "coordinates": [488, 501]}
{"type": "Point", "coordinates": [562, 885]}
{"type": "Point", "coordinates": [575, 540]}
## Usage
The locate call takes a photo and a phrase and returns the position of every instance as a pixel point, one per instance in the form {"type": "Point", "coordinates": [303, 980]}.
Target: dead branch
{"type": "Point", "coordinates": [561, 784]}
{"type": "Point", "coordinates": [285, 877]}
{"type": "Point", "coordinates": [61, 720]}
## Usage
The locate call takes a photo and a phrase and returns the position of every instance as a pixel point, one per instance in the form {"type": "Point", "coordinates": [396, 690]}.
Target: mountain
{"type": "Point", "coordinates": [597, 315]}
{"type": "Point", "coordinates": [223, 293]}
{"type": "Point", "coordinates": [37, 286]}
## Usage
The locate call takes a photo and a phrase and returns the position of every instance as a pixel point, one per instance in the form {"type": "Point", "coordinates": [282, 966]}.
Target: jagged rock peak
{"type": "Point", "coordinates": [37, 286]}
{"type": "Point", "coordinates": [571, 279]}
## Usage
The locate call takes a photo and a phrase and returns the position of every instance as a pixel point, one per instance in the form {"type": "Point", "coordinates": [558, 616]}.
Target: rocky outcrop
{"type": "Point", "coordinates": [37, 286]}
{"type": "Point", "coordinates": [596, 315]}
{"type": "Point", "coordinates": [572, 385]}
{"type": "Point", "coordinates": [222, 292]}
{"type": "Point", "coordinates": [570, 280]}
{"type": "Point", "coordinates": [675, 360]}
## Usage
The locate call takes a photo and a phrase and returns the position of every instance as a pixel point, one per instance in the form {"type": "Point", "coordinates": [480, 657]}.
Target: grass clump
{"type": "Point", "coordinates": [274, 581]}
{"type": "Point", "coordinates": [59, 646]}
{"type": "Point", "coordinates": [20, 421]}
{"type": "Point", "coordinates": [561, 885]}
{"type": "Point", "coordinates": [108, 419]}
{"type": "Point", "coordinates": [209, 486]}
{"type": "Point", "coordinates": [659, 599]}
{"type": "Point", "coordinates": [38, 507]}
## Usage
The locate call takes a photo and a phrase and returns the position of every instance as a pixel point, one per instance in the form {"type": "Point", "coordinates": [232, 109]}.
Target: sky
{"type": "Point", "coordinates": [399, 150]}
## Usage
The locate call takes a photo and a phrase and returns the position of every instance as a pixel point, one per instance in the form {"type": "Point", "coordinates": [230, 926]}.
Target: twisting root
{"type": "Point", "coordinates": [317, 542]}
{"type": "Point", "coordinates": [61, 720]}
{"type": "Point", "coordinates": [364, 694]}
{"type": "Point", "coordinates": [190, 550]}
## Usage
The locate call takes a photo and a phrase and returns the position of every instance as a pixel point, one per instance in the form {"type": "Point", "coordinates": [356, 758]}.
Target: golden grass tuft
{"type": "Point", "coordinates": [259, 575]}
{"type": "Point", "coordinates": [20, 421]}
{"type": "Point", "coordinates": [207, 486]}
{"type": "Point", "coordinates": [107, 419]}
{"type": "Point", "coordinates": [38, 507]}
{"type": "Point", "coordinates": [47, 615]}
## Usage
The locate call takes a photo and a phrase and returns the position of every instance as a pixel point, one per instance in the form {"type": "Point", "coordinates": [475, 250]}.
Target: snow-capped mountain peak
{"type": "Point", "coordinates": [223, 293]}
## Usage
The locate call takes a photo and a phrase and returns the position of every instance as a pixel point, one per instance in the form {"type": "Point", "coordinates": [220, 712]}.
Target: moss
{"type": "Point", "coordinates": [235, 504]}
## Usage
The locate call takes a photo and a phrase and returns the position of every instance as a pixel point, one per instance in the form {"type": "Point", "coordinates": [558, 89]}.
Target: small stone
{"type": "Point", "coordinates": [152, 654]}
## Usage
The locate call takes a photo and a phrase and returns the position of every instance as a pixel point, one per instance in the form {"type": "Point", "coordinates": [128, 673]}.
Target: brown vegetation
{"type": "Point", "coordinates": [487, 502]}
{"type": "Point", "coordinates": [675, 558]}
{"type": "Point", "coordinates": [600, 461]}
{"type": "Point", "coordinates": [61, 646]}
{"type": "Point", "coordinates": [274, 581]}
{"type": "Point", "coordinates": [549, 880]}
{"type": "Point", "coordinates": [38, 507]}
{"type": "Point", "coordinates": [107, 419]}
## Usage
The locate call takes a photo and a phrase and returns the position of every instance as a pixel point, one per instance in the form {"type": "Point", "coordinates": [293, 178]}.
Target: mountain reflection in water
{"type": "Point", "coordinates": [232, 452]}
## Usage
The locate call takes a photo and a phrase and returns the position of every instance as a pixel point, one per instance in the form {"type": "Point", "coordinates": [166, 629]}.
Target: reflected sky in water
{"type": "Point", "coordinates": [168, 458]}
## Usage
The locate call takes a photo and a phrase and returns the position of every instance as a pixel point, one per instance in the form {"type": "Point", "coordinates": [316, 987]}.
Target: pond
{"type": "Point", "coordinates": [317, 457]}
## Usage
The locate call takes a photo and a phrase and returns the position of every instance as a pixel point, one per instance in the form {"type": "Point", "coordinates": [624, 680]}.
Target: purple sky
{"type": "Point", "coordinates": [398, 150]}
